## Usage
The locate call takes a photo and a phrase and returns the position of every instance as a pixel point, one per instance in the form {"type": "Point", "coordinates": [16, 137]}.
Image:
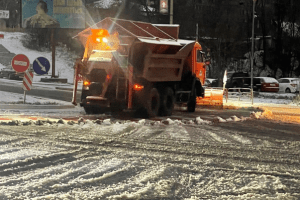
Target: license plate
{"type": "Point", "coordinates": [272, 84]}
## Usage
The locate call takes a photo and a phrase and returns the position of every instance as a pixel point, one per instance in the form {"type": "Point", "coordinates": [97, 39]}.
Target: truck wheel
{"type": "Point", "coordinates": [152, 103]}
{"type": "Point", "coordinates": [191, 105]}
{"type": "Point", "coordinates": [167, 102]}
{"type": "Point", "coordinates": [116, 107]}
{"type": "Point", "coordinates": [93, 110]}
{"type": "Point", "coordinates": [88, 110]}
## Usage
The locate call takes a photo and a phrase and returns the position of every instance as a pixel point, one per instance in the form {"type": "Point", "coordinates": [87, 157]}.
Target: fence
{"type": "Point", "coordinates": [239, 93]}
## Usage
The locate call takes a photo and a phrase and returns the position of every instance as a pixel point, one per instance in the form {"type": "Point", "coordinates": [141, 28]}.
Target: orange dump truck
{"type": "Point", "coordinates": [140, 66]}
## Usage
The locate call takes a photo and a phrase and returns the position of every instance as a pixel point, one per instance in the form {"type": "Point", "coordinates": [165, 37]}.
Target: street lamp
{"type": "Point", "coordinates": [252, 47]}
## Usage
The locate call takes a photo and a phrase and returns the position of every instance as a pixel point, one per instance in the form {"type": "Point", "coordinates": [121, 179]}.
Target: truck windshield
{"type": "Point", "coordinates": [101, 55]}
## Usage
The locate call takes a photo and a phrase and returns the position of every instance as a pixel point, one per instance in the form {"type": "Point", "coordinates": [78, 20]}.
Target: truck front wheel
{"type": "Point", "coordinates": [191, 105]}
{"type": "Point", "coordinates": [152, 103]}
{"type": "Point", "coordinates": [88, 110]}
{"type": "Point", "coordinates": [167, 102]}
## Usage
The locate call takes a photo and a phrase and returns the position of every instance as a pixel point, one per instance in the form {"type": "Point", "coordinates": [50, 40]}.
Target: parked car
{"type": "Point", "coordinates": [289, 85]}
{"type": "Point", "coordinates": [266, 84]}
{"type": "Point", "coordinates": [5, 72]}
{"type": "Point", "coordinates": [208, 82]}
{"type": "Point", "coordinates": [238, 79]}
{"type": "Point", "coordinates": [16, 76]}
{"type": "Point", "coordinates": [11, 74]}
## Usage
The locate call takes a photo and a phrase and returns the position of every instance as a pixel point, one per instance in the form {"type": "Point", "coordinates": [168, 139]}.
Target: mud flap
{"type": "Point", "coordinates": [75, 84]}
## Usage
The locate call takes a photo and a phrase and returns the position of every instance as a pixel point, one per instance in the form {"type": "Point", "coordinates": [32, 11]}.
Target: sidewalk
{"type": "Point", "coordinates": [279, 112]}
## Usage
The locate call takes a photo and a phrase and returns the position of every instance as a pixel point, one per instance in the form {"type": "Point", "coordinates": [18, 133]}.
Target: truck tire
{"type": "Point", "coordinates": [116, 107]}
{"type": "Point", "coordinates": [88, 110]}
{"type": "Point", "coordinates": [93, 110]}
{"type": "Point", "coordinates": [167, 102]}
{"type": "Point", "coordinates": [191, 105]}
{"type": "Point", "coordinates": [152, 103]}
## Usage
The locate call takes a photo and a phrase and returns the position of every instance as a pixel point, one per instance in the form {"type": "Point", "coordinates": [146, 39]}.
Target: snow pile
{"type": "Point", "coordinates": [255, 115]}
{"type": "Point", "coordinates": [201, 121]}
{"type": "Point", "coordinates": [82, 123]}
{"type": "Point", "coordinates": [230, 119]}
{"type": "Point", "coordinates": [266, 114]}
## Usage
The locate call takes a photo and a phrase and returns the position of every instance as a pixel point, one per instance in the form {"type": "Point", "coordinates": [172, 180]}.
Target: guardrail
{"type": "Point", "coordinates": [239, 93]}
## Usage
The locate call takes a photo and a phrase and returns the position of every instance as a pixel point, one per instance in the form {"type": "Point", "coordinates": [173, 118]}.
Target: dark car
{"type": "Point", "coordinates": [238, 79]}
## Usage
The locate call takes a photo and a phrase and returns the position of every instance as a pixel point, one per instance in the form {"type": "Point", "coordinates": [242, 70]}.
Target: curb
{"type": "Point", "coordinates": [69, 89]}
{"type": "Point", "coordinates": [31, 106]}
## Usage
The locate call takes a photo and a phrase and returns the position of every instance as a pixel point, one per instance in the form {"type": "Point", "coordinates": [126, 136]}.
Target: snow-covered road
{"type": "Point", "coordinates": [119, 159]}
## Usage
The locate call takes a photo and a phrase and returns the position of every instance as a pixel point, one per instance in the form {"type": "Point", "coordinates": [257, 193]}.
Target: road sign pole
{"type": "Point", "coordinates": [24, 96]}
{"type": "Point", "coordinates": [53, 53]}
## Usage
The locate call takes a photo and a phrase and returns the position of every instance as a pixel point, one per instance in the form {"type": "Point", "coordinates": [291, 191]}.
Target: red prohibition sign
{"type": "Point", "coordinates": [20, 63]}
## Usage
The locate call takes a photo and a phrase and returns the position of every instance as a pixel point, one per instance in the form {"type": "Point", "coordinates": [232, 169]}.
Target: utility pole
{"type": "Point", "coordinates": [252, 47]}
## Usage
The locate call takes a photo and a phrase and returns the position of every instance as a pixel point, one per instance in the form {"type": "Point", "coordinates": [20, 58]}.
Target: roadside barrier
{"type": "Point", "coordinates": [239, 93]}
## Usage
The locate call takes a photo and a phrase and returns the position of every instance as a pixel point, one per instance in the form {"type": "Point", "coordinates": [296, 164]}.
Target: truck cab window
{"type": "Point", "coordinates": [199, 56]}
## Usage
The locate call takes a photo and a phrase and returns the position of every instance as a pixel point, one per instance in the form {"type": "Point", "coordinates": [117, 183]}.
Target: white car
{"type": "Point", "coordinates": [289, 85]}
{"type": "Point", "coordinates": [208, 82]}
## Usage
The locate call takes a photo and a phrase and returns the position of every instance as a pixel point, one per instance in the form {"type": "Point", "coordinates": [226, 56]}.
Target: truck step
{"type": "Point", "coordinates": [96, 98]}
{"type": "Point", "coordinates": [183, 92]}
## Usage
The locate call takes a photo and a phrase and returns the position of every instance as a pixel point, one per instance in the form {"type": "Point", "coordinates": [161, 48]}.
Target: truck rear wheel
{"type": "Point", "coordinates": [93, 110]}
{"type": "Point", "coordinates": [167, 102]}
{"type": "Point", "coordinates": [152, 103]}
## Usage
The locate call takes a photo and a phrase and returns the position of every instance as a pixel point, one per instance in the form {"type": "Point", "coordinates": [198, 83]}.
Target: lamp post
{"type": "Point", "coordinates": [252, 47]}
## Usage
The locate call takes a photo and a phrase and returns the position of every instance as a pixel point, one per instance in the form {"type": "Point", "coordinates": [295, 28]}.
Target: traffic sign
{"type": "Point", "coordinates": [4, 14]}
{"type": "Point", "coordinates": [20, 63]}
{"type": "Point", "coordinates": [41, 65]}
{"type": "Point", "coordinates": [163, 8]}
{"type": "Point", "coordinates": [27, 80]}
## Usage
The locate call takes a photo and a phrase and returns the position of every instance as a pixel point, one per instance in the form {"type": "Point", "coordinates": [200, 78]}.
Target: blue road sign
{"type": "Point", "coordinates": [41, 65]}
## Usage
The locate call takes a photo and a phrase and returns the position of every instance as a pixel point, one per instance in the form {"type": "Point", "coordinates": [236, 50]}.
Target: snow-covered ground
{"type": "Point", "coordinates": [106, 159]}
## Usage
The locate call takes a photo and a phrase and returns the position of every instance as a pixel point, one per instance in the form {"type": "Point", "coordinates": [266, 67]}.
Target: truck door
{"type": "Point", "coordinates": [199, 64]}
